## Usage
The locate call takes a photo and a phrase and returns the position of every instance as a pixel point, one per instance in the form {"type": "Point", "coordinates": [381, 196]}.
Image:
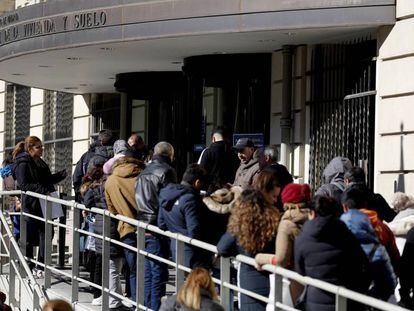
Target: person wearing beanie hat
{"type": "Point", "coordinates": [120, 148]}
{"type": "Point", "coordinates": [295, 199]}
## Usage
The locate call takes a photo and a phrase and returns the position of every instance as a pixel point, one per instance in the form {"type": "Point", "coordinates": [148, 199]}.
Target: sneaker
{"type": "Point", "coordinates": [127, 304]}
{"type": "Point", "coordinates": [97, 301]}
{"type": "Point", "coordinates": [37, 273]}
{"type": "Point", "coordinates": [40, 274]}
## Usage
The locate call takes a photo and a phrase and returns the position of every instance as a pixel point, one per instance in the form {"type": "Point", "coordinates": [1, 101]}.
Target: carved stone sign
{"type": "Point", "coordinates": [78, 21]}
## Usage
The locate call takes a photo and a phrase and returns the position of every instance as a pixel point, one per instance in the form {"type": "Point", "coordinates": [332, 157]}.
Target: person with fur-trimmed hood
{"type": "Point", "coordinates": [120, 198]}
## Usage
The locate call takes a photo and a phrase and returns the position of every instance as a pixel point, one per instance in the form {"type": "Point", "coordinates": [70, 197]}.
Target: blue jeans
{"type": "Point", "coordinates": [156, 273]}
{"type": "Point", "coordinates": [131, 259]}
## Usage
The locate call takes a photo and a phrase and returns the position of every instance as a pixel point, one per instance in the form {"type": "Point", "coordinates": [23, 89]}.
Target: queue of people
{"type": "Point", "coordinates": [254, 208]}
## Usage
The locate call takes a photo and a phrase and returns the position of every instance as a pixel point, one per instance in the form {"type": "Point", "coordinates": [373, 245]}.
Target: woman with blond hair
{"type": "Point", "coordinates": [197, 293]}
{"type": "Point", "coordinates": [251, 230]}
{"type": "Point", "coordinates": [31, 173]}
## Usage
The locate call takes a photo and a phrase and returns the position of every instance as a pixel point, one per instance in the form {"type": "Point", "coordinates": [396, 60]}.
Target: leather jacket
{"type": "Point", "coordinates": [152, 179]}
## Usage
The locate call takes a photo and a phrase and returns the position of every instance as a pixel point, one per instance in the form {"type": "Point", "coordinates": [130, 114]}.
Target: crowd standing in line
{"type": "Point", "coordinates": [345, 234]}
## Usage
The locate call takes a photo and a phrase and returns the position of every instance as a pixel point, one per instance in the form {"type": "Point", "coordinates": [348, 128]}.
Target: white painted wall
{"type": "Point", "coordinates": [81, 120]}
{"type": "Point", "coordinates": [394, 148]}
{"type": "Point", "coordinates": [2, 120]}
{"type": "Point", "coordinates": [36, 112]}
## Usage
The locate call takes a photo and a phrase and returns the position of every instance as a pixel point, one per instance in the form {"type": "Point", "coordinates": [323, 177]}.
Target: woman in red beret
{"type": "Point", "coordinates": [295, 199]}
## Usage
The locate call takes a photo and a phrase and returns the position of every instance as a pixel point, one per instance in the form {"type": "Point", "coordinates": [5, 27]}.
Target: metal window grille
{"type": "Point", "coordinates": [57, 132]}
{"type": "Point", "coordinates": [17, 114]}
{"type": "Point", "coordinates": [342, 106]}
{"type": "Point", "coordinates": [106, 113]}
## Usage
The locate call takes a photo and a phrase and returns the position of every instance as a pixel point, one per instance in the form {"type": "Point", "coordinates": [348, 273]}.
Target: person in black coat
{"type": "Point", "coordinates": [219, 160]}
{"type": "Point", "coordinates": [355, 178]}
{"type": "Point", "coordinates": [252, 229]}
{"type": "Point", "coordinates": [182, 211]}
{"type": "Point", "coordinates": [102, 147]}
{"type": "Point", "coordinates": [33, 174]}
{"type": "Point", "coordinates": [326, 250]}
{"type": "Point", "coordinates": [93, 191]}
{"type": "Point", "coordinates": [407, 272]}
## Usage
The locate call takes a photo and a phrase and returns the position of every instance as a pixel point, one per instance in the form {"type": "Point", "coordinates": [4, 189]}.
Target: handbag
{"type": "Point", "coordinates": [300, 303]}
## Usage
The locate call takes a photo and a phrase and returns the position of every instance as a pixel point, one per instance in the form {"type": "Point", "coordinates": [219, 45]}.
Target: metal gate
{"type": "Point", "coordinates": [342, 106]}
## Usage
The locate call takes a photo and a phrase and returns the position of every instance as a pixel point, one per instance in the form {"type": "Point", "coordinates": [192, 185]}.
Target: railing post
{"type": "Point", "coordinates": [340, 303]}
{"type": "Point", "coordinates": [140, 267]}
{"type": "Point", "coordinates": [62, 239]}
{"type": "Point", "coordinates": [23, 226]}
{"type": "Point", "coordinates": [179, 260]}
{"type": "Point", "coordinates": [75, 252]}
{"type": "Point", "coordinates": [12, 281]}
{"type": "Point", "coordinates": [2, 232]}
{"type": "Point", "coordinates": [225, 266]}
{"type": "Point", "coordinates": [23, 233]}
{"type": "Point", "coordinates": [278, 294]}
{"type": "Point", "coordinates": [106, 257]}
{"type": "Point", "coordinates": [48, 243]}
{"type": "Point", "coordinates": [36, 301]}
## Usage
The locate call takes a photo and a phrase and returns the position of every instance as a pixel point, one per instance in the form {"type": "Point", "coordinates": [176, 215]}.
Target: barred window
{"type": "Point", "coordinates": [57, 133]}
{"type": "Point", "coordinates": [17, 114]}
{"type": "Point", "coordinates": [105, 113]}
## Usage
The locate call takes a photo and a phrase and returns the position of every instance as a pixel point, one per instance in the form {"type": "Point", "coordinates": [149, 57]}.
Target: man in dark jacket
{"type": "Point", "coordinates": [102, 147]}
{"type": "Point", "coordinates": [219, 160]}
{"type": "Point", "coordinates": [355, 178]}
{"type": "Point", "coordinates": [328, 251]}
{"type": "Point", "coordinates": [157, 175]}
{"type": "Point", "coordinates": [182, 210]}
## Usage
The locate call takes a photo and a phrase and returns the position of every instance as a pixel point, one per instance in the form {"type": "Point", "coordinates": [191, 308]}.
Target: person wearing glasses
{"type": "Point", "coordinates": [33, 174]}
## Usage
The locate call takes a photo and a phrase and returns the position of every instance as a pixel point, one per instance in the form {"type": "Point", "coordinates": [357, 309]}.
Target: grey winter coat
{"type": "Point", "coordinates": [333, 176]}
{"type": "Point", "coordinates": [246, 173]}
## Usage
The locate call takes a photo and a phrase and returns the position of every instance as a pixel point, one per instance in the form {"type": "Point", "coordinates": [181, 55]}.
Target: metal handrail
{"type": "Point", "coordinates": [342, 294]}
{"type": "Point", "coordinates": [31, 285]}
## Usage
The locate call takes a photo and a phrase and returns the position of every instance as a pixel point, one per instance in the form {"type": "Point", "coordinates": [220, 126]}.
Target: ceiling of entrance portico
{"type": "Point", "coordinates": [92, 69]}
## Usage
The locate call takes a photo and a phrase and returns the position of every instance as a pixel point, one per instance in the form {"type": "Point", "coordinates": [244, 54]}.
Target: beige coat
{"type": "Point", "coordinates": [246, 173]}
{"type": "Point", "coordinates": [120, 191]}
{"type": "Point", "coordinates": [289, 228]}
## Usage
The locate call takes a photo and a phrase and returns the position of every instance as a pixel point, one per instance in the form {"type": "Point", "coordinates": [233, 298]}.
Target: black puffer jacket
{"type": "Point", "coordinates": [35, 176]}
{"type": "Point", "coordinates": [152, 179]}
{"type": "Point", "coordinates": [106, 152]}
{"type": "Point", "coordinates": [183, 211]}
{"type": "Point", "coordinates": [81, 168]}
{"type": "Point", "coordinates": [95, 197]}
{"type": "Point", "coordinates": [328, 251]}
{"type": "Point", "coordinates": [249, 278]}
